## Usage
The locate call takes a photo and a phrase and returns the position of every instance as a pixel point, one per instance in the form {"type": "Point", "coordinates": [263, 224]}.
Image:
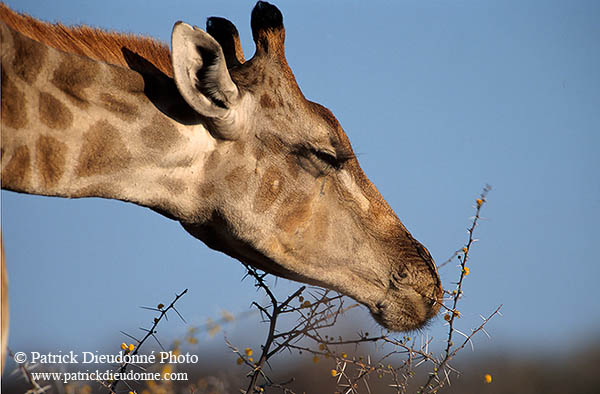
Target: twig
{"type": "Point", "coordinates": [149, 333]}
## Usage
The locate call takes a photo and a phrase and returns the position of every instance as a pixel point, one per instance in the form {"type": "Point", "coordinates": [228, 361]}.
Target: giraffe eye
{"type": "Point", "coordinates": [319, 161]}
{"type": "Point", "coordinates": [328, 158]}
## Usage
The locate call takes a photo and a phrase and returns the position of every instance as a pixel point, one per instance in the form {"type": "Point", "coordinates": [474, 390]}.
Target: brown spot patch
{"type": "Point", "coordinates": [240, 147]}
{"type": "Point", "coordinates": [50, 160]}
{"type": "Point", "coordinates": [73, 76]}
{"type": "Point", "coordinates": [294, 211]}
{"type": "Point", "coordinates": [16, 174]}
{"type": "Point", "coordinates": [53, 113]}
{"type": "Point", "coordinates": [13, 107]}
{"type": "Point", "coordinates": [266, 101]}
{"type": "Point", "coordinates": [28, 59]}
{"type": "Point", "coordinates": [127, 80]}
{"type": "Point", "coordinates": [212, 161]}
{"type": "Point", "coordinates": [124, 110]}
{"type": "Point", "coordinates": [103, 151]}
{"type": "Point", "coordinates": [160, 133]}
{"type": "Point", "coordinates": [269, 189]}
{"type": "Point", "coordinates": [207, 190]}
{"type": "Point", "coordinates": [237, 179]}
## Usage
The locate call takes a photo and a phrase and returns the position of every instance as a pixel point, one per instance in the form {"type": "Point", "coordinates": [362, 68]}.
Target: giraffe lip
{"type": "Point", "coordinates": [403, 308]}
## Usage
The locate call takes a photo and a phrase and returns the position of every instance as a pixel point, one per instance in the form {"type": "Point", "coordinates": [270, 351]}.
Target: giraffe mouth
{"type": "Point", "coordinates": [404, 309]}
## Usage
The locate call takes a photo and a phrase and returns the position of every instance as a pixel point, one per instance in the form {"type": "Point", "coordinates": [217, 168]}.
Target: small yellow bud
{"type": "Point", "coordinates": [334, 372]}
{"type": "Point", "coordinates": [123, 346]}
{"type": "Point", "coordinates": [466, 271]}
{"type": "Point", "coordinates": [479, 202]}
{"type": "Point", "coordinates": [322, 347]}
{"type": "Point", "coordinates": [487, 378]}
{"type": "Point", "coordinates": [250, 359]}
{"type": "Point", "coordinates": [131, 347]}
{"type": "Point", "coordinates": [248, 352]}
{"type": "Point", "coordinates": [160, 306]}
{"type": "Point", "coordinates": [456, 313]}
{"type": "Point", "coordinates": [465, 250]}
{"type": "Point", "coordinates": [344, 355]}
{"type": "Point", "coordinates": [239, 361]}
{"type": "Point", "coordinates": [315, 359]}
{"type": "Point", "coordinates": [306, 304]}
{"type": "Point", "coordinates": [447, 317]}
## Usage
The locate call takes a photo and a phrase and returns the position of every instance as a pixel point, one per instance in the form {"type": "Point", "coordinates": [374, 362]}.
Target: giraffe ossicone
{"type": "Point", "coordinates": [228, 147]}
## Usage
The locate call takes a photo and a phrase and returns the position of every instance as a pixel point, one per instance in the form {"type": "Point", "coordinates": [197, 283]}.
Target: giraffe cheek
{"type": "Point", "coordinates": [319, 228]}
{"type": "Point", "coordinates": [294, 214]}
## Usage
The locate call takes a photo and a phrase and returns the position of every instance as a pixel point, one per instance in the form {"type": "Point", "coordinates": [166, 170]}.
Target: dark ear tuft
{"type": "Point", "coordinates": [265, 16]}
{"type": "Point", "coordinates": [220, 26]}
{"type": "Point", "coordinates": [228, 37]}
{"type": "Point", "coordinates": [267, 30]}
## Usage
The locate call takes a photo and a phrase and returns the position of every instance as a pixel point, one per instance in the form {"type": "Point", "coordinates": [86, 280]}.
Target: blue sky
{"type": "Point", "coordinates": [438, 99]}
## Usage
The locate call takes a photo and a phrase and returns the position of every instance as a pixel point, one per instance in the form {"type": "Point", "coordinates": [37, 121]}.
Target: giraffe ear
{"type": "Point", "coordinates": [201, 74]}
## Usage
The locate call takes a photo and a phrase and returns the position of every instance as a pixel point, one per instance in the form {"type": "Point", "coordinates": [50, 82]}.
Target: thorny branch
{"type": "Point", "coordinates": [315, 318]}
{"type": "Point", "coordinates": [24, 369]}
{"type": "Point", "coordinates": [354, 372]}
{"type": "Point", "coordinates": [453, 313]}
{"type": "Point", "coordinates": [149, 333]}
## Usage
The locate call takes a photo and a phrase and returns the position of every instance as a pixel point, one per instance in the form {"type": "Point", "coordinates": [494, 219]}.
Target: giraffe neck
{"type": "Point", "coordinates": [76, 127]}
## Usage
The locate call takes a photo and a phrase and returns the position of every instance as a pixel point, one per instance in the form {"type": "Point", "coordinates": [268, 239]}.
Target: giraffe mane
{"type": "Point", "coordinates": [90, 42]}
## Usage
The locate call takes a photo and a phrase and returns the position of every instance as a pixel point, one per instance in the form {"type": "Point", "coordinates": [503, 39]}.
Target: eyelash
{"type": "Point", "coordinates": [328, 158]}
{"type": "Point", "coordinates": [335, 161]}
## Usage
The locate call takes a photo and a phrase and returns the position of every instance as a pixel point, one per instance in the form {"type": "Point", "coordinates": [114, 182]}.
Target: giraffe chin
{"type": "Point", "coordinates": [404, 309]}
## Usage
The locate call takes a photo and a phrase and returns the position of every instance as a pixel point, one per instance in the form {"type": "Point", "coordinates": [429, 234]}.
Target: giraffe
{"type": "Point", "coordinates": [228, 147]}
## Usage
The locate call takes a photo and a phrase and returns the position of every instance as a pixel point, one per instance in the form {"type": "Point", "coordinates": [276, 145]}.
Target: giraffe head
{"type": "Point", "coordinates": [230, 148]}
{"type": "Point", "coordinates": [282, 190]}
